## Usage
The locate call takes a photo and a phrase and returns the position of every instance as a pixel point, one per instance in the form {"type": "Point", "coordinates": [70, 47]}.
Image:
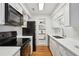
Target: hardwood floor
{"type": "Point", "coordinates": [42, 51]}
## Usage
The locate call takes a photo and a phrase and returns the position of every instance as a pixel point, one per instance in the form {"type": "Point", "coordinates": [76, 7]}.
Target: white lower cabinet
{"type": "Point", "coordinates": [65, 52]}
{"type": "Point", "coordinates": [54, 48]}
{"type": "Point", "coordinates": [59, 50]}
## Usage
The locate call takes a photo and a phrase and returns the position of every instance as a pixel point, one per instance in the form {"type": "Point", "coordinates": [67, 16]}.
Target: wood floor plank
{"type": "Point", "coordinates": [42, 51]}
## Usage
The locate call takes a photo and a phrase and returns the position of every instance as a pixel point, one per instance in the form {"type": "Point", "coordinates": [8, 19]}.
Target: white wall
{"type": "Point", "coordinates": [4, 28]}
{"type": "Point", "coordinates": [74, 14]}
{"type": "Point", "coordinates": [49, 25]}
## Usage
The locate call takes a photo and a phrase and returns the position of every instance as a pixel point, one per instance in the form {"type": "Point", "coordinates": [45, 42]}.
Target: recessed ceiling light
{"type": "Point", "coordinates": [41, 6]}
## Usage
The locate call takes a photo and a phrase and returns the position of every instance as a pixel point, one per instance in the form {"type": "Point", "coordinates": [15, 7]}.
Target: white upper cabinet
{"type": "Point", "coordinates": [2, 11]}
{"type": "Point", "coordinates": [25, 18]}
{"type": "Point", "coordinates": [17, 7]}
{"type": "Point", "coordinates": [61, 16]}
{"type": "Point", "coordinates": [2, 18]}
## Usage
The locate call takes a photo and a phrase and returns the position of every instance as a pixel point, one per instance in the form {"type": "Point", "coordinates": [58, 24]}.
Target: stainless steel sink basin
{"type": "Point", "coordinates": [58, 37]}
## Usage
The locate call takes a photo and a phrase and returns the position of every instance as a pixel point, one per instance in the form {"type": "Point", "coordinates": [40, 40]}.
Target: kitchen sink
{"type": "Point", "coordinates": [58, 37]}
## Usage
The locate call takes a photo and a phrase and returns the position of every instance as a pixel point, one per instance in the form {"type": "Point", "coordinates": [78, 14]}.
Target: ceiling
{"type": "Point", "coordinates": [33, 8]}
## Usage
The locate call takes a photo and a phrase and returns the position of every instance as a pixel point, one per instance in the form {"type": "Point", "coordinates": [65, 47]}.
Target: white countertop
{"type": "Point", "coordinates": [8, 51]}
{"type": "Point", "coordinates": [24, 36]}
{"type": "Point", "coordinates": [69, 43]}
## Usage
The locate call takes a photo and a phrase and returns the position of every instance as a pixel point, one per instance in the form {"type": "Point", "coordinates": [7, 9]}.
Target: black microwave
{"type": "Point", "coordinates": [12, 16]}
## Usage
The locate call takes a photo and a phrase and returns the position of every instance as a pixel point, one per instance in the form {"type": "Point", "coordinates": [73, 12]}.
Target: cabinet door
{"type": "Point", "coordinates": [62, 51]}
{"type": "Point", "coordinates": [63, 15]}
{"type": "Point", "coordinates": [61, 18]}
{"type": "Point", "coordinates": [17, 7]}
{"type": "Point", "coordinates": [68, 53]}
{"type": "Point", "coordinates": [25, 18]}
{"type": "Point", "coordinates": [55, 23]}
{"type": "Point", "coordinates": [2, 18]}
{"type": "Point", "coordinates": [50, 46]}
{"type": "Point", "coordinates": [54, 47]}
{"type": "Point", "coordinates": [58, 50]}
{"type": "Point", "coordinates": [65, 52]}
{"type": "Point", "coordinates": [57, 18]}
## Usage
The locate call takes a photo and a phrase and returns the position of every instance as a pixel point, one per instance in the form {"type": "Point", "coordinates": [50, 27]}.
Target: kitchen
{"type": "Point", "coordinates": [54, 27]}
